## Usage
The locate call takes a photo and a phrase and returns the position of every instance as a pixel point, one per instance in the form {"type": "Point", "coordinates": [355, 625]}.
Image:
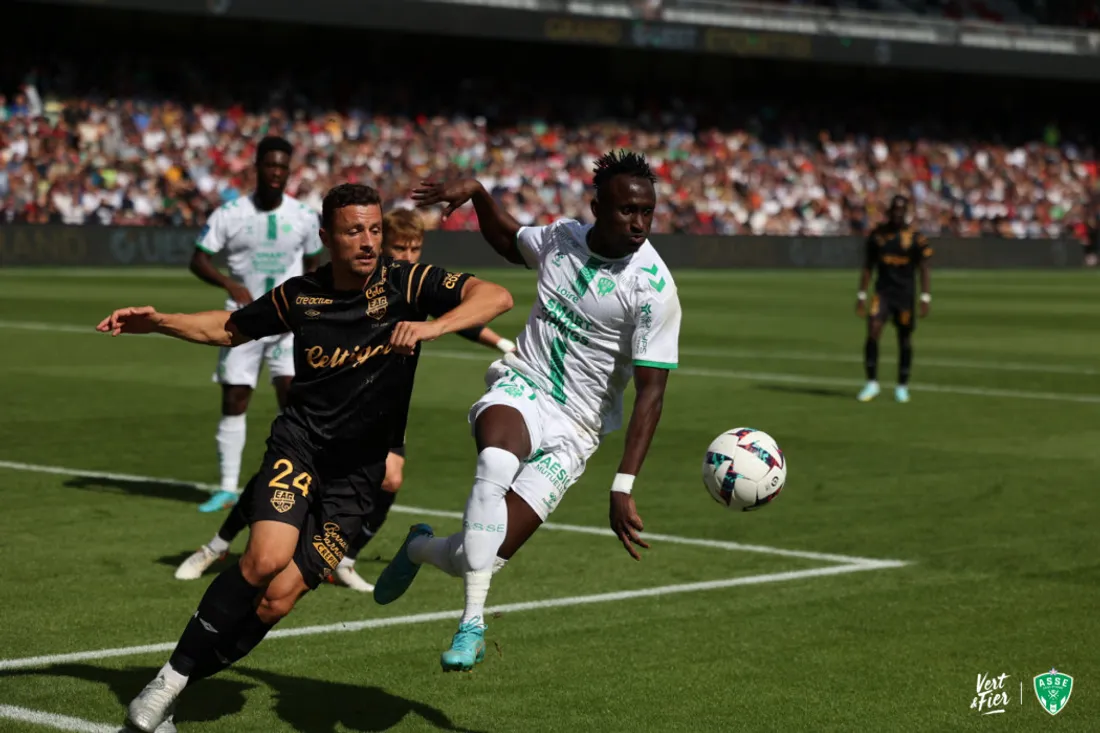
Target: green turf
{"type": "Point", "coordinates": [983, 484]}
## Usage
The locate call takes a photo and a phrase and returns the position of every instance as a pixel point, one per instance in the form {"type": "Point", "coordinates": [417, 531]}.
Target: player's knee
{"type": "Point", "coordinates": [235, 399]}
{"type": "Point", "coordinates": [272, 609]}
{"type": "Point", "coordinates": [260, 565]}
{"type": "Point", "coordinates": [501, 426]}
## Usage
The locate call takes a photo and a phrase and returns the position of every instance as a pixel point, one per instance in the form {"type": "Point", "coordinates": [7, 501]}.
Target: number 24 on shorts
{"type": "Point", "coordinates": [285, 468]}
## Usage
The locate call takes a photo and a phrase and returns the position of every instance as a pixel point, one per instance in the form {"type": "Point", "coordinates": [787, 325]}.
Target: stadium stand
{"type": "Point", "coordinates": [146, 140]}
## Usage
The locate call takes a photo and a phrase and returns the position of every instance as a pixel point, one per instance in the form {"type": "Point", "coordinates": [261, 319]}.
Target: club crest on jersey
{"type": "Point", "coordinates": [374, 290]}
{"type": "Point", "coordinates": [605, 285]}
{"type": "Point", "coordinates": [376, 308]}
{"type": "Point", "coordinates": [282, 500]}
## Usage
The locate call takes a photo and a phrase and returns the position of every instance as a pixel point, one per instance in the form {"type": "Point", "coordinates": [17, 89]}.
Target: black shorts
{"type": "Point", "coordinates": [324, 493]}
{"type": "Point", "coordinates": [897, 308]}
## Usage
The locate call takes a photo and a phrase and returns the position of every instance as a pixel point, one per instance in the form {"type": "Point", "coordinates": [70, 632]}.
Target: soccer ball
{"type": "Point", "coordinates": [744, 469]}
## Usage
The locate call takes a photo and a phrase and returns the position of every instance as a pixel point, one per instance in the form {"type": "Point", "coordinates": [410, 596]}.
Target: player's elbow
{"type": "Point", "coordinates": [495, 297]}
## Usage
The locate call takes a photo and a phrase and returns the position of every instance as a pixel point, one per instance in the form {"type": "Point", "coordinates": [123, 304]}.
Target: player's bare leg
{"type": "Point", "coordinates": [232, 429]}
{"type": "Point", "coordinates": [870, 356]}
{"type": "Point", "coordinates": [199, 561]}
{"type": "Point", "coordinates": [228, 623]}
{"type": "Point", "coordinates": [216, 549]}
{"type": "Point", "coordinates": [345, 574]}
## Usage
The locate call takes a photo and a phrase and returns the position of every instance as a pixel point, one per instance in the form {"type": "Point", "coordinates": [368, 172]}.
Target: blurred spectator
{"type": "Point", "coordinates": [146, 157]}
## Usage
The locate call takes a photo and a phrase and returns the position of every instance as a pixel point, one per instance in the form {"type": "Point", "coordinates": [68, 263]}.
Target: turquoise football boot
{"type": "Point", "coordinates": [869, 392]}
{"type": "Point", "coordinates": [901, 393]}
{"type": "Point", "coordinates": [400, 573]}
{"type": "Point", "coordinates": [467, 648]}
{"type": "Point", "coordinates": [219, 501]}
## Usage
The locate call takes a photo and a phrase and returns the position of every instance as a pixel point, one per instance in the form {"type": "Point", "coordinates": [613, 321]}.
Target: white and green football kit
{"type": "Point", "coordinates": [593, 321]}
{"type": "Point", "coordinates": [264, 249]}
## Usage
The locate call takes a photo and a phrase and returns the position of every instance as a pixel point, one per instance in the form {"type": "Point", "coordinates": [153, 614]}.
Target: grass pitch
{"type": "Point", "coordinates": [981, 489]}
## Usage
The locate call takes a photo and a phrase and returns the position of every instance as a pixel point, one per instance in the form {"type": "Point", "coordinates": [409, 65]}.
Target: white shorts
{"type": "Point", "coordinates": [241, 365]}
{"type": "Point", "coordinates": [559, 447]}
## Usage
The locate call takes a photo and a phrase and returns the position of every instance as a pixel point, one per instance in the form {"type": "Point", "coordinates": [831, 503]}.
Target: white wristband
{"type": "Point", "coordinates": [861, 295]}
{"type": "Point", "coordinates": [623, 483]}
{"type": "Point", "coordinates": [506, 346]}
{"type": "Point", "coordinates": [926, 297]}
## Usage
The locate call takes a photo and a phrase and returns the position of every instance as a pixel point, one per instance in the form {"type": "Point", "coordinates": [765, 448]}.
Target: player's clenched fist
{"type": "Point", "coordinates": [140, 319]}
{"type": "Point", "coordinates": [407, 334]}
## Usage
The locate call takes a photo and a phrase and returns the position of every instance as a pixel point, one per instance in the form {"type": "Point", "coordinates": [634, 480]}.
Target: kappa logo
{"type": "Point", "coordinates": [1053, 690]}
{"type": "Point", "coordinates": [376, 308]}
{"type": "Point", "coordinates": [283, 500]}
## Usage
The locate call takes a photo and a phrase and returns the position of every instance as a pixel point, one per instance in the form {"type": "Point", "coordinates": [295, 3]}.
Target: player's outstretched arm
{"type": "Point", "coordinates": [497, 226]}
{"type": "Point", "coordinates": [649, 386]}
{"type": "Point", "coordinates": [208, 327]}
{"type": "Point", "coordinates": [482, 301]}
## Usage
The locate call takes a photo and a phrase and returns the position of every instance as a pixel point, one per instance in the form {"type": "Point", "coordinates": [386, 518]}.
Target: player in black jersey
{"type": "Point", "coordinates": [895, 252]}
{"type": "Point", "coordinates": [356, 323]}
{"type": "Point", "coordinates": [402, 239]}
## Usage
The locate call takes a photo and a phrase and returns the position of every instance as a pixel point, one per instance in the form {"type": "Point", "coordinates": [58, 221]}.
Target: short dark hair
{"type": "Point", "coordinates": [622, 163]}
{"type": "Point", "coordinates": [347, 194]}
{"type": "Point", "coordinates": [273, 144]}
{"type": "Point", "coordinates": [899, 200]}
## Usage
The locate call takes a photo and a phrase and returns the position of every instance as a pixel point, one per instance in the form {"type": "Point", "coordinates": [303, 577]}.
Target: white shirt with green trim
{"type": "Point", "coordinates": [594, 320]}
{"type": "Point", "coordinates": [265, 248]}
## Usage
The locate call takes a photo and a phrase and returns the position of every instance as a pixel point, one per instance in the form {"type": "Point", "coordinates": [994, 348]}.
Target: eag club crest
{"type": "Point", "coordinates": [376, 308]}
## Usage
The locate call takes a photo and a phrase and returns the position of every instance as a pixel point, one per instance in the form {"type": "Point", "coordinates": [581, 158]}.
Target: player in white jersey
{"type": "Point", "coordinates": [606, 310]}
{"type": "Point", "coordinates": [269, 238]}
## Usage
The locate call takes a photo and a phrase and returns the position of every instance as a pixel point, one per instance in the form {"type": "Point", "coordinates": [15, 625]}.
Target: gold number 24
{"type": "Point", "coordinates": [300, 482]}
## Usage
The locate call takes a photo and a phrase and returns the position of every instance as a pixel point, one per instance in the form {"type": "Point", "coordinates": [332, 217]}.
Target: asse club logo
{"type": "Point", "coordinates": [993, 696]}
{"type": "Point", "coordinates": [1053, 690]}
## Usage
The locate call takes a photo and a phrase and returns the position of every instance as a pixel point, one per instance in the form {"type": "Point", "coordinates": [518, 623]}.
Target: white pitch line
{"type": "Point", "coordinates": [809, 356]}
{"type": "Point", "coordinates": [52, 720]}
{"type": "Point", "coordinates": [765, 377]}
{"type": "Point", "coordinates": [420, 618]}
{"type": "Point", "coordinates": [580, 529]}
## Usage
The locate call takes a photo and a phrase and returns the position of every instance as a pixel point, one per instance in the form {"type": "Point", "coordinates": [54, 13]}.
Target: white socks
{"type": "Point", "coordinates": [218, 546]}
{"type": "Point", "coordinates": [486, 518]}
{"type": "Point", "coordinates": [472, 553]}
{"type": "Point", "coordinates": [446, 553]}
{"type": "Point", "coordinates": [230, 438]}
{"type": "Point", "coordinates": [346, 562]}
{"type": "Point", "coordinates": [477, 590]}
{"type": "Point", "coordinates": [174, 679]}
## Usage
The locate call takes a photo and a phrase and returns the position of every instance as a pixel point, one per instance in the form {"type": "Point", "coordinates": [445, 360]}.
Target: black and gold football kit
{"type": "Point", "coordinates": [894, 256]}
{"type": "Point", "coordinates": [348, 403]}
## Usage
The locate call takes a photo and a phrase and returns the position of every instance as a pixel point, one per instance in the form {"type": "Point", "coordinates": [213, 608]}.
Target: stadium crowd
{"type": "Point", "coordinates": [143, 160]}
